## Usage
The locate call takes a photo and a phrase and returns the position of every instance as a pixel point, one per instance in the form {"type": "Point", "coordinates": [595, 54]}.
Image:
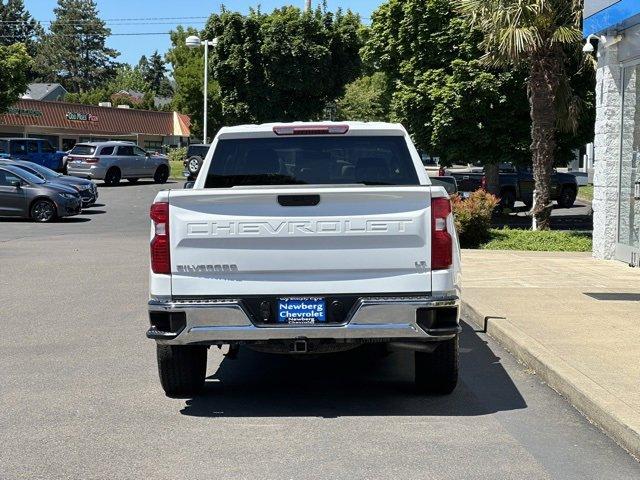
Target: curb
{"type": "Point", "coordinates": [603, 409]}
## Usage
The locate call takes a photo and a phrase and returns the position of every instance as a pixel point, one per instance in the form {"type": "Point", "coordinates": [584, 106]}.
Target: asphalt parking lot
{"type": "Point", "coordinates": [80, 397]}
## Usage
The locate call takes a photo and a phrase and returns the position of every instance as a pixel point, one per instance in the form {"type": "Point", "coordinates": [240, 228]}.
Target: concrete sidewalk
{"type": "Point", "coordinates": [574, 320]}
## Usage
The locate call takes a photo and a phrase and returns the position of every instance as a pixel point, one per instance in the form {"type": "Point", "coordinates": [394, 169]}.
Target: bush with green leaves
{"type": "Point", "coordinates": [177, 154]}
{"type": "Point", "coordinates": [473, 217]}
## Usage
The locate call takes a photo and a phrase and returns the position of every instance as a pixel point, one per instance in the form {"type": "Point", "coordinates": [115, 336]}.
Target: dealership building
{"type": "Point", "coordinates": [614, 26]}
{"type": "Point", "coordinates": [65, 124]}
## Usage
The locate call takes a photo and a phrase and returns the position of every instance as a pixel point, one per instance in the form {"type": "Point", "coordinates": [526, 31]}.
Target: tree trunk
{"type": "Point", "coordinates": [492, 174]}
{"type": "Point", "coordinates": [543, 83]}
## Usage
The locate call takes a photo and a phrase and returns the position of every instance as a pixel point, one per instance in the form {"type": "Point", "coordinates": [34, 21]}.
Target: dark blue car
{"type": "Point", "coordinates": [34, 150]}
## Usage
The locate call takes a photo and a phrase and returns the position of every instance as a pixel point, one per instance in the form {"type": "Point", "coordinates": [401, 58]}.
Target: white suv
{"type": "Point", "coordinates": [113, 161]}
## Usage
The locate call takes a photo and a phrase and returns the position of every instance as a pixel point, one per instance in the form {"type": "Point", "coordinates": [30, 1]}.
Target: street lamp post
{"type": "Point", "coordinates": [195, 42]}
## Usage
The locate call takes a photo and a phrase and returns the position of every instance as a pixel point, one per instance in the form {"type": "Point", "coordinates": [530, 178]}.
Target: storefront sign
{"type": "Point", "coordinates": [81, 117]}
{"type": "Point", "coordinates": [24, 112]}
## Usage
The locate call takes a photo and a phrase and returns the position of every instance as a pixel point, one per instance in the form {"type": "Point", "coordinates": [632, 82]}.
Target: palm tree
{"type": "Point", "coordinates": [538, 35]}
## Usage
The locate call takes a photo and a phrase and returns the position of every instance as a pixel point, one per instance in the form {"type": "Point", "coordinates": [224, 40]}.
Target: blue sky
{"type": "Point", "coordinates": [132, 47]}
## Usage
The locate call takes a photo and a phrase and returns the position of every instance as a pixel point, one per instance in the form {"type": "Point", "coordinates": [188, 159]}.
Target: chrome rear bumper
{"type": "Point", "coordinates": [227, 321]}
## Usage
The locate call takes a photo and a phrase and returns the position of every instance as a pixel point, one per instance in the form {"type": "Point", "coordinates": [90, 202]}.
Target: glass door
{"type": "Point", "coordinates": [628, 245]}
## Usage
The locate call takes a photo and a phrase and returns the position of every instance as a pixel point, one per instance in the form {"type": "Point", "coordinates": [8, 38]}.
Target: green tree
{"type": "Point", "coordinates": [287, 65]}
{"type": "Point", "coordinates": [74, 52]}
{"type": "Point", "coordinates": [18, 26]}
{"type": "Point", "coordinates": [15, 64]}
{"type": "Point", "coordinates": [366, 99]}
{"type": "Point", "coordinates": [129, 78]}
{"type": "Point", "coordinates": [452, 106]}
{"type": "Point", "coordinates": [188, 69]}
{"type": "Point", "coordinates": [536, 35]}
{"type": "Point", "coordinates": [155, 75]}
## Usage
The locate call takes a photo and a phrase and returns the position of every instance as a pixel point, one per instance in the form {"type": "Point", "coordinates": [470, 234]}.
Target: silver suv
{"type": "Point", "coordinates": [113, 161]}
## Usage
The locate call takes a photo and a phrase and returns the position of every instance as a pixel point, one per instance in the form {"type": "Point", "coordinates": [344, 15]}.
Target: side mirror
{"type": "Point", "coordinates": [16, 183]}
{"type": "Point", "coordinates": [189, 184]}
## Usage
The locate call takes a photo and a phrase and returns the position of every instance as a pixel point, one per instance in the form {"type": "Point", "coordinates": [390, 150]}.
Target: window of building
{"type": "Point", "coordinates": [153, 145]}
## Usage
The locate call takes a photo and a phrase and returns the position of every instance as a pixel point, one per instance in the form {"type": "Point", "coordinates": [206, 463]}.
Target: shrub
{"type": "Point", "coordinates": [473, 217]}
{"type": "Point", "coordinates": [177, 154]}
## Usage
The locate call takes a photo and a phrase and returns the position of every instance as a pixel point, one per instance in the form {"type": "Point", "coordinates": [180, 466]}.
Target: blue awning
{"type": "Point", "coordinates": [622, 14]}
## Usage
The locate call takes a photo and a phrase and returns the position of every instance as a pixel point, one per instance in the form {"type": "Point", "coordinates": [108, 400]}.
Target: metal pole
{"type": "Point", "coordinates": [308, 7]}
{"type": "Point", "coordinates": [206, 86]}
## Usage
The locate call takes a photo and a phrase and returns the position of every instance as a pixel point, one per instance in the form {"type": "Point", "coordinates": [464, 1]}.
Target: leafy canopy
{"type": "Point", "coordinates": [282, 66]}
{"type": "Point", "coordinates": [15, 65]}
{"type": "Point", "coordinates": [74, 52]}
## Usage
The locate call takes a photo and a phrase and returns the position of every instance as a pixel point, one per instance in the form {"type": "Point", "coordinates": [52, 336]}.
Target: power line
{"type": "Point", "coordinates": [109, 20]}
{"type": "Point", "coordinates": [100, 35]}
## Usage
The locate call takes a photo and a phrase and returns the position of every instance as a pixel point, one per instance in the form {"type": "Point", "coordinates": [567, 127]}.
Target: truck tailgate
{"type": "Point", "coordinates": [232, 242]}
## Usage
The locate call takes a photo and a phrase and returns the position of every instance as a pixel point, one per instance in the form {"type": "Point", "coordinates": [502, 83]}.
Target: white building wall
{"type": "Point", "coordinates": [606, 153]}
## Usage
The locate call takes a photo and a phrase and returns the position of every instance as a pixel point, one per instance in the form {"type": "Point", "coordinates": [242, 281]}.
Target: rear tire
{"type": "Point", "coordinates": [113, 176]}
{"type": "Point", "coordinates": [567, 197]}
{"type": "Point", "coordinates": [161, 175]}
{"type": "Point", "coordinates": [182, 369]}
{"type": "Point", "coordinates": [437, 371]}
{"type": "Point", "coordinates": [508, 199]}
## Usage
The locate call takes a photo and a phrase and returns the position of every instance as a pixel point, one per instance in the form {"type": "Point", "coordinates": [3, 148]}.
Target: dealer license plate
{"type": "Point", "coordinates": [301, 310]}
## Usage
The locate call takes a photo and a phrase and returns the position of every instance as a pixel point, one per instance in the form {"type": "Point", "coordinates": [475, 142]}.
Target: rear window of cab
{"type": "Point", "coordinates": [312, 160]}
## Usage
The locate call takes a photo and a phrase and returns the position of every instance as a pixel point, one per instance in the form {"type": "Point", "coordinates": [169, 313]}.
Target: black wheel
{"type": "Point", "coordinates": [437, 371]}
{"type": "Point", "coordinates": [113, 176]}
{"type": "Point", "coordinates": [508, 199]}
{"type": "Point", "coordinates": [161, 175]}
{"type": "Point", "coordinates": [567, 197]}
{"type": "Point", "coordinates": [43, 211]}
{"type": "Point", "coordinates": [133, 180]}
{"type": "Point", "coordinates": [193, 165]}
{"type": "Point", "coordinates": [182, 369]}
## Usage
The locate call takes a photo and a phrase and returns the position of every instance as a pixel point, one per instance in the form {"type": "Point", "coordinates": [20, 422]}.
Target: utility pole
{"type": "Point", "coordinates": [308, 7]}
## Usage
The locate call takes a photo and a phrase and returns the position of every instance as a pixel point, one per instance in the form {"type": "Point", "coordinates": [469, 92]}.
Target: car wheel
{"type": "Point", "coordinates": [508, 199]}
{"type": "Point", "coordinates": [43, 211]}
{"type": "Point", "coordinates": [113, 176]}
{"type": "Point", "coordinates": [161, 175]}
{"type": "Point", "coordinates": [182, 369]}
{"type": "Point", "coordinates": [193, 165]}
{"type": "Point", "coordinates": [133, 180]}
{"type": "Point", "coordinates": [437, 371]}
{"type": "Point", "coordinates": [567, 197]}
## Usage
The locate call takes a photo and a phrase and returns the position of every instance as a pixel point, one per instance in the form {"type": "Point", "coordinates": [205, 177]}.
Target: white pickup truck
{"type": "Point", "coordinates": [305, 239]}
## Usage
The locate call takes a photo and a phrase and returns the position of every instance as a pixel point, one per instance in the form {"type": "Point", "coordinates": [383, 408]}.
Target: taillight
{"type": "Point", "coordinates": [441, 172]}
{"type": "Point", "coordinates": [441, 241]}
{"type": "Point", "coordinates": [160, 258]}
{"type": "Point", "coordinates": [338, 129]}
{"type": "Point", "coordinates": [91, 160]}
{"type": "Point", "coordinates": [483, 182]}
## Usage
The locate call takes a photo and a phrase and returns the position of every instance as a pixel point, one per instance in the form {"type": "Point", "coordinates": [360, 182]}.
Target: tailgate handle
{"type": "Point", "coordinates": [298, 200]}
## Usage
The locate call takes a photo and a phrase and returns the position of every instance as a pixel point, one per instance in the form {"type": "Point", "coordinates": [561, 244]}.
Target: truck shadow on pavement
{"type": "Point", "coordinates": [357, 383]}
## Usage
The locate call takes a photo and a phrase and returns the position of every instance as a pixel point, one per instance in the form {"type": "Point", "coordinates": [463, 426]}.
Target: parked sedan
{"type": "Point", "coordinates": [86, 188]}
{"type": "Point", "coordinates": [23, 194]}
{"type": "Point", "coordinates": [113, 161]}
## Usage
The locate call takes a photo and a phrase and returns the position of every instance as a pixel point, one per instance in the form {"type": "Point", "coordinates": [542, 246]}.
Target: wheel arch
{"type": "Point", "coordinates": [42, 197]}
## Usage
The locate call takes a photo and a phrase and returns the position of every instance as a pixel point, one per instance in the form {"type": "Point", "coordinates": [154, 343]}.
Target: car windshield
{"type": "Point", "coordinates": [326, 160]}
{"type": "Point", "coordinates": [25, 175]}
{"type": "Point", "coordinates": [81, 149]}
{"type": "Point", "coordinates": [39, 170]}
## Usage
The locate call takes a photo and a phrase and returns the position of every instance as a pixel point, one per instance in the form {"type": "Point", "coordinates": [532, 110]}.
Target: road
{"type": "Point", "coordinates": [80, 397]}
